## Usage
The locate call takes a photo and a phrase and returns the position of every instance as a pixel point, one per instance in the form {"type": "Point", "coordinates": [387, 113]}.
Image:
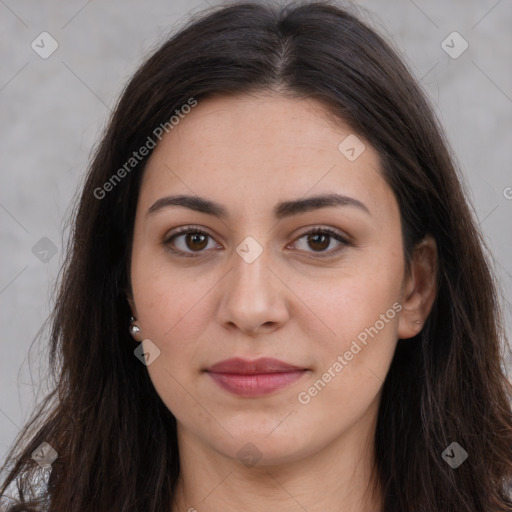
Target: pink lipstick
{"type": "Point", "coordinates": [255, 378]}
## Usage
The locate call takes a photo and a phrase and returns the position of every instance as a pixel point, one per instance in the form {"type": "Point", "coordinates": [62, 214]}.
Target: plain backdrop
{"type": "Point", "coordinates": [53, 111]}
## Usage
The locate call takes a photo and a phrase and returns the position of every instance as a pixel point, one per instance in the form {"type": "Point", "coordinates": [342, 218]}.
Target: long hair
{"type": "Point", "coordinates": [115, 439]}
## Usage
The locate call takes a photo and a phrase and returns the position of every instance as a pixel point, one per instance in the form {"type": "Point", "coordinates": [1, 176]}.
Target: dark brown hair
{"type": "Point", "coordinates": [116, 440]}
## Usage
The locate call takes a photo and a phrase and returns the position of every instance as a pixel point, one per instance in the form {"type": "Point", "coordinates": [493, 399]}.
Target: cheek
{"type": "Point", "coordinates": [164, 293]}
{"type": "Point", "coordinates": [359, 312]}
{"type": "Point", "coordinates": [348, 303]}
{"type": "Point", "coordinates": [172, 307]}
{"type": "Point", "coordinates": [174, 311]}
{"type": "Point", "coordinates": [351, 364]}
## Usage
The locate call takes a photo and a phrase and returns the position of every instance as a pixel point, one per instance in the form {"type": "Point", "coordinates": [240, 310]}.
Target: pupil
{"type": "Point", "coordinates": [324, 237]}
{"type": "Point", "coordinates": [194, 237]}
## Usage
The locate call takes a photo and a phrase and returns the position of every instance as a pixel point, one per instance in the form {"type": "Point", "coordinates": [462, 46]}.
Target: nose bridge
{"type": "Point", "coordinates": [251, 277]}
{"type": "Point", "coordinates": [250, 267]}
{"type": "Point", "coordinates": [252, 294]}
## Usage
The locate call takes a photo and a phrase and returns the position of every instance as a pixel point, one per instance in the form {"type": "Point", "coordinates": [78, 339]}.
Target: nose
{"type": "Point", "coordinates": [254, 297]}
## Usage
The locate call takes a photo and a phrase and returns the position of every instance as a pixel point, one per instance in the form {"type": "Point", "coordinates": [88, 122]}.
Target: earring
{"type": "Point", "coordinates": [417, 321]}
{"type": "Point", "coordinates": [134, 328]}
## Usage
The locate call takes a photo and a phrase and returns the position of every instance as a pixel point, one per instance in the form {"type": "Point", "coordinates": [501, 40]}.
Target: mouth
{"type": "Point", "coordinates": [255, 378]}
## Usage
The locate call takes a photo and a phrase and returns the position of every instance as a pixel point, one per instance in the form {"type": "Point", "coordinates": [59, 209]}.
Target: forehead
{"type": "Point", "coordinates": [261, 146]}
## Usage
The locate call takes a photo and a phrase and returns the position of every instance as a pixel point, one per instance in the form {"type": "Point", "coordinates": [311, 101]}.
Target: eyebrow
{"type": "Point", "coordinates": [281, 210]}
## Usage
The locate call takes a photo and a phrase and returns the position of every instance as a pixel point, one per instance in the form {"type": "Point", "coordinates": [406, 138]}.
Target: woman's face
{"type": "Point", "coordinates": [253, 284]}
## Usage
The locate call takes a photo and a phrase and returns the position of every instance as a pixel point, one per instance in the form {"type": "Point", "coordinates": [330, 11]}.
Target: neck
{"type": "Point", "coordinates": [335, 477]}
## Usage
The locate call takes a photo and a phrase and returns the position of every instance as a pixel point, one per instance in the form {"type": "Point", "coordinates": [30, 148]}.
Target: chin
{"type": "Point", "coordinates": [257, 448]}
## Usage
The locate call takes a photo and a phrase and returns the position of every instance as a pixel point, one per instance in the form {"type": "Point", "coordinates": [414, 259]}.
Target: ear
{"type": "Point", "coordinates": [419, 289]}
{"type": "Point", "coordinates": [136, 335]}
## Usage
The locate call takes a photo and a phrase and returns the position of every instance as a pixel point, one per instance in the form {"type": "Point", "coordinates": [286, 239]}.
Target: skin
{"type": "Point", "coordinates": [250, 152]}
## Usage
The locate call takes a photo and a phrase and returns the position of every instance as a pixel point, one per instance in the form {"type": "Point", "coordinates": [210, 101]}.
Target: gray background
{"type": "Point", "coordinates": [53, 111]}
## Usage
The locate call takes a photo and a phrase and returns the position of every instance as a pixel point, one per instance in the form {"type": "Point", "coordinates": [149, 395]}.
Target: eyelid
{"type": "Point", "coordinates": [343, 239]}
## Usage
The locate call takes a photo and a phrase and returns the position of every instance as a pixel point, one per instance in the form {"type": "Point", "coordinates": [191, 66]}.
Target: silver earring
{"type": "Point", "coordinates": [134, 328]}
{"type": "Point", "coordinates": [417, 321]}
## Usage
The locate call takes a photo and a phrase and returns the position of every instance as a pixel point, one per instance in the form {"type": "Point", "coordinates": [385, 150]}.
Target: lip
{"type": "Point", "coordinates": [256, 366]}
{"type": "Point", "coordinates": [254, 378]}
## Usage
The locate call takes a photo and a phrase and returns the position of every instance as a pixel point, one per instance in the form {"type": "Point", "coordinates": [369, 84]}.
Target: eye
{"type": "Point", "coordinates": [193, 238]}
{"type": "Point", "coordinates": [320, 239]}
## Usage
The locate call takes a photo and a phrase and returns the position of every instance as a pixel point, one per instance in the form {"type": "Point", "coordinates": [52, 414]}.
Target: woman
{"type": "Point", "coordinates": [275, 292]}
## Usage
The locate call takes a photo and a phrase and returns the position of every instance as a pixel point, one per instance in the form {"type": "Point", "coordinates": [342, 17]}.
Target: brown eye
{"type": "Point", "coordinates": [187, 241]}
{"type": "Point", "coordinates": [190, 242]}
{"type": "Point", "coordinates": [318, 240]}
{"type": "Point", "coordinates": [196, 241]}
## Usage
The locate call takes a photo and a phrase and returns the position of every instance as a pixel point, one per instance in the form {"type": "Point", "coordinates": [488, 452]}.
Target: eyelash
{"type": "Point", "coordinates": [194, 230]}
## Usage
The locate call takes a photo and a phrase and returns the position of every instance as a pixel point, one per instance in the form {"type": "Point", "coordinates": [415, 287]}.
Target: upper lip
{"type": "Point", "coordinates": [243, 366]}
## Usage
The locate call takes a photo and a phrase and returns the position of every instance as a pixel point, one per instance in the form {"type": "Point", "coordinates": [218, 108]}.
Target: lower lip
{"type": "Point", "coordinates": [260, 384]}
